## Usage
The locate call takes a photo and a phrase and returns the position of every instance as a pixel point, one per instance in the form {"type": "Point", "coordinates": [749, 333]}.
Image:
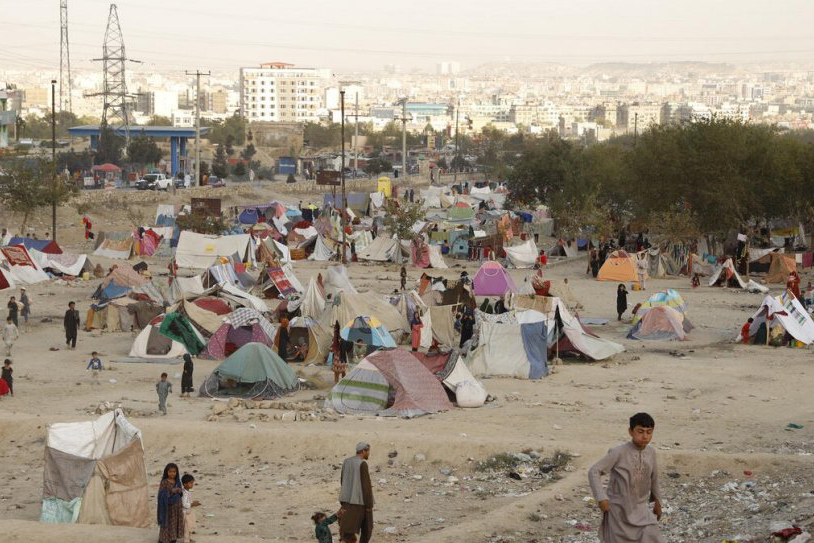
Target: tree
{"type": "Point", "coordinates": [400, 218]}
{"type": "Point", "coordinates": [320, 136]}
{"type": "Point", "coordinates": [239, 169]}
{"type": "Point", "coordinates": [220, 166]}
{"type": "Point", "coordinates": [109, 149]}
{"type": "Point", "coordinates": [230, 140]}
{"type": "Point", "coordinates": [204, 169]}
{"type": "Point", "coordinates": [27, 185]}
{"type": "Point", "coordinates": [234, 126]}
{"type": "Point", "coordinates": [376, 166]}
{"type": "Point", "coordinates": [248, 152]}
{"type": "Point", "coordinates": [74, 162]}
{"type": "Point", "coordinates": [159, 120]}
{"type": "Point", "coordinates": [143, 151]}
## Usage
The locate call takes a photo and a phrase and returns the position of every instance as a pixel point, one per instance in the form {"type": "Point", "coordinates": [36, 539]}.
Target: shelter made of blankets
{"type": "Point", "coordinates": [200, 251]}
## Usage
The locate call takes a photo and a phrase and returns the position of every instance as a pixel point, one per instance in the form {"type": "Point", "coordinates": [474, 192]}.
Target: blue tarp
{"type": "Point", "coordinates": [535, 345]}
{"type": "Point", "coordinates": [357, 201]}
{"type": "Point", "coordinates": [110, 292]}
{"type": "Point", "coordinates": [527, 217]}
{"type": "Point", "coordinates": [165, 220]}
{"type": "Point", "coordinates": [248, 216]}
{"type": "Point", "coordinates": [41, 245]}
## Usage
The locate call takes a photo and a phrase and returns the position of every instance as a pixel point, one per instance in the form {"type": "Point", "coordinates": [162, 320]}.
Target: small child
{"type": "Point", "coordinates": [95, 365]}
{"type": "Point", "coordinates": [321, 522]}
{"type": "Point", "coordinates": [164, 389]}
{"type": "Point", "coordinates": [633, 484]}
{"type": "Point", "coordinates": [187, 503]}
{"type": "Point", "coordinates": [8, 376]}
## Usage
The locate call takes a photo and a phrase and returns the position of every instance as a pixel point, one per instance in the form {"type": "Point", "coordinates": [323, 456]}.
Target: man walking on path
{"type": "Point", "coordinates": [10, 335]}
{"type": "Point", "coordinates": [71, 322]}
{"type": "Point", "coordinates": [356, 496]}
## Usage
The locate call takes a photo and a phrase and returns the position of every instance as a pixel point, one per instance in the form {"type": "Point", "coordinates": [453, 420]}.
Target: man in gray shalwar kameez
{"type": "Point", "coordinates": [632, 485]}
{"type": "Point", "coordinates": [356, 495]}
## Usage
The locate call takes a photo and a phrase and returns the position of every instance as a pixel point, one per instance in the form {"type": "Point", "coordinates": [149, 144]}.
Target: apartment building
{"type": "Point", "coordinates": [282, 92]}
{"type": "Point", "coordinates": [7, 119]}
{"type": "Point", "coordinates": [637, 116]}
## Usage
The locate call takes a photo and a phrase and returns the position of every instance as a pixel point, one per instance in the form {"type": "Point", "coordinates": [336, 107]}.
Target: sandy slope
{"type": "Point", "coordinates": [719, 406]}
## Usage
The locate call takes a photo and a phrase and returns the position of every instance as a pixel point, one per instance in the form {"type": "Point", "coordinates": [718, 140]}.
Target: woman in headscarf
{"type": "Point", "coordinates": [186, 376]}
{"type": "Point", "coordinates": [282, 338]}
{"type": "Point", "coordinates": [416, 326]}
{"type": "Point", "coordinates": [621, 301]}
{"type": "Point", "coordinates": [170, 513]}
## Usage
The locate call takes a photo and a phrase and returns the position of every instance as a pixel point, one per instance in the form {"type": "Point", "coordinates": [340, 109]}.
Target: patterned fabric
{"type": "Point", "coordinates": [280, 280]}
{"type": "Point", "coordinates": [244, 316]}
{"type": "Point", "coordinates": [17, 256]}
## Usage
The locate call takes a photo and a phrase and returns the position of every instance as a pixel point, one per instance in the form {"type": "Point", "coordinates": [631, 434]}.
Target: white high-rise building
{"type": "Point", "coordinates": [283, 93]}
{"type": "Point", "coordinates": [448, 68]}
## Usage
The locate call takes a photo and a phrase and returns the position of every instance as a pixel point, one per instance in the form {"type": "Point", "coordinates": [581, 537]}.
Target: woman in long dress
{"type": "Point", "coordinates": [186, 376]}
{"type": "Point", "coordinates": [170, 513]}
{"type": "Point", "coordinates": [621, 301]}
{"type": "Point", "coordinates": [417, 325]}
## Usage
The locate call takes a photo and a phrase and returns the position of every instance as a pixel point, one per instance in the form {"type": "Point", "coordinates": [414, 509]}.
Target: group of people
{"type": "Point", "coordinates": [175, 508]}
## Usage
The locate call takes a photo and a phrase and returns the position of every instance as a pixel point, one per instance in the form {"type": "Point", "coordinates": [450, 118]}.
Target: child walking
{"type": "Point", "coordinates": [187, 503]}
{"type": "Point", "coordinates": [163, 388]}
{"type": "Point", "coordinates": [322, 523]}
{"type": "Point", "coordinates": [632, 486]}
{"type": "Point", "coordinates": [95, 365]}
{"type": "Point", "coordinates": [8, 375]}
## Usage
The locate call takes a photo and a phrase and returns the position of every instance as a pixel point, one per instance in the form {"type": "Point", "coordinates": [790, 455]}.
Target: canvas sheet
{"type": "Point", "coordinates": [280, 280]}
{"type": "Point", "coordinates": [200, 251]}
{"type": "Point", "coordinates": [436, 258]}
{"type": "Point", "coordinates": [313, 301]}
{"type": "Point", "coordinates": [791, 314]}
{"type": "Point", "coordinates": [337, 280]}
{"type": "Point", "coordinates": [443, 325]}
{"type": "Point", "coordinates": [92, 439]}
{"type": "Point", "coordinates": [321, 252]}
{"type": "Point", "coordinates": [231, 292]}
{"type": "Point", "coordinates": [497, 353]}
{"type": "Point", "coordinates": [416, 390]}
{"type": "Point", "coordinates": [125, 477]}
{"type": "Point", "coordinates": [117, 249]}
{"type": "Point", "coordinates": [523, 255]}
{"type": "Point", "coordinates": [186, 286]}
{"type": "Point", "coordinates": [536, 347]}
{"type": "Point", "coordinates": [382, 249]}
{"type": "Point", "coordinates": [66, 263]}
{"type": "Point", "coordinates": [65, 475]}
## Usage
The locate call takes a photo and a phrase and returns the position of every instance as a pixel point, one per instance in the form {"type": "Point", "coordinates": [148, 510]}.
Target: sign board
{"type": "Point", "coordinates": [328, 177]}
{"type": "Point", "coordinates": [89, 181]}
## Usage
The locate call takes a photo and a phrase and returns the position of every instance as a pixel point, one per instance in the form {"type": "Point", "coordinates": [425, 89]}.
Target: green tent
{"type": "Point", "coordinates": [253, 371]}
{"type": "Point", "coordinates": [176, 327]}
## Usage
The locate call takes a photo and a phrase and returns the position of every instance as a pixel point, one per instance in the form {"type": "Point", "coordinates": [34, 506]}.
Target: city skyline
{"type": "Point", "coordinates": [363, 36]}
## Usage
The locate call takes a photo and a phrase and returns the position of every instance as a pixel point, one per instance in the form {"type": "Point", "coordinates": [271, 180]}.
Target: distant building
{"type": "Point", "coordinates": [37, 97]}
{"type": "Point", "coordinates": [157, 102]}
{"type": "Point", "coordinates": [447, 68]}
{"type": "Point", "coordinates": [7, 119]}
{"type": "Point", "coordinates": [219, 101]}
{"type": "Point", "coordinates": [637, 116]}
{"type": "Point", "coordinates": [282, 92]}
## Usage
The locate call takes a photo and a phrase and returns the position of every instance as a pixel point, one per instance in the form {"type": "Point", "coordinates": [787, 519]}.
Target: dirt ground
{"type": "Point", "coordinates": [729, 465]}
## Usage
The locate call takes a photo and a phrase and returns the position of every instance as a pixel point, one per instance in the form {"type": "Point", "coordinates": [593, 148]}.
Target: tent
{"type": "Point", "coordinates": [6, 281]}
{"type": "Point", "coordinates": [492, 280]}
{"type": "Point", "coordinates": [389, 383]}
{"type": "Point", "coordinates": [620, 267]}
{"type": "Point", "coordinates": [523, 255]}
{"type": "Point", "coordinates": [657, 265]}
{"type": "Point", "coordinates": [312, 303]}
{"type": "Point", "coordinates": [241, 327]}
{"type": "Point", "coordinates": [48, 246]}
{"type": "Point", "coordinates": [460, 212]}
{"type": "Point", "coordinates": [786, 311]}
{"type": "Point", "coordinates": [200, 251]}
{"type": "Point", "coordinates": [186, 286]}
{"type": "Point", "coordinates": [668, 298]}
{"type": "Point", "coordinates": [322, 251]}
{"type": "Point", "coordinates": [451, 370]}
{"type": "Point", "coordinates": [782, 265]}
{"type": "Point", "coordinates": [63, 263]}
{"type": "Point", "coordinates": [253, 371]}
{"type": "Point", "coordinates": [661, 322]}
{"type": "Point", "coordinates": [344, 307]}
{"type": "Point", "coordinates": [726, 275]}
{"type": "Point", "coordinates": [372, 333]}
{"type": "Point", "coordinates": [94, 473]}
{"type": "Point", "coordinates": [21, 267]}
{"type": "Point", "coordinates": [337, 280]}
{"type": "Point", "coordinates": [151, 343]}
{"type": "Point", "coordinates": [121, 249]}
{"type": "Point", "coordinates": [498, 352]}
{"type": "Point", "coordinates": [383, 249]}
{"type": "Point", "coordinates": [436, 258]}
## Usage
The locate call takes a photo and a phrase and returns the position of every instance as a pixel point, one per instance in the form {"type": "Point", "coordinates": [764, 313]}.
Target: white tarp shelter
{"type": "Point", "coordinates": [523, 255]}
{"type": "Point", "coordinates": [789, 312]}
{"type": "Point", "coordinates": [200, 251]}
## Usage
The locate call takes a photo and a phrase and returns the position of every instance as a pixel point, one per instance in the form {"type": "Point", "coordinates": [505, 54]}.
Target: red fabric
{"type": "Point", "coordinates": [808, 259]}
{"type": "Point", "coordinates": [745, 333]}
{"type": "Point", "coordinates": [3, 387]}
{"type": "Point", "coordinates": [213, 305]}
{"type": "Point", "coordinates": [542, 260]}
{"type": "Point", "coordinates": [434, 362]}
{"type": "Point", "coordinates": [416, 339]}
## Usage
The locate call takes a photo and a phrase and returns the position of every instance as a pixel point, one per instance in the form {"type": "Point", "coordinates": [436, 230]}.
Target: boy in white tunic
{"type": "Point", "coordinates": [633, 484]}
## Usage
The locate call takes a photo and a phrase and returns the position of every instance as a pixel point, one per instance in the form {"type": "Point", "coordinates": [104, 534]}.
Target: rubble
{"type": "Point", "coordinates": [246, 410]}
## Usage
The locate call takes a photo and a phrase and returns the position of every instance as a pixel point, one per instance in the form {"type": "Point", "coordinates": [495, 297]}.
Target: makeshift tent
{"type": "Point", "coordinates": [567, 334]}
{"type": "Point", "coordinates": [94, 473]}
{"type": "Point", "coordinates": [782, 265]}
{"type": "Point", "coordinates": [21, 267]}
{"type": "Point", "coordinates": [200, 251]}
{"type": "Point", "coordinates": [177, 328]}
{"type": "Point", "coordinates": [48, 246]}
{"type": "Point", "coordinates": [337, 280]}
{"type": "Point", "coordinates": [389, 383]}
{"type": "Point", "coordinates": [63, 263]}
{"type": "Point", "coordinates": [726, 275]}
{"type": "Point", "coordinates": [322, 251]}
{"type": "Point", "coordinates": [151, 343]}
{"type": "Point", "coordinates": [458, 293]}
{"type": "Point", "coordinates": [657, 265]}
{"type": "Point", "coordinates": [253, 371]}
{"type": "Point", "coordinates": [451, 370]}
{"type": "Point", "coordinates": [206, 314]}
{"type": "Point", "coordinates": [436, 258]}
{"type": "Point", "coordinates": [182, 287]}
{"type": "Point", "coordinates": [498, 351]}
{"type": "Point", "coordinates": [786, 311]}
{"type": "Point", "coordinates": [383, 249]}
{"type": "Point", "coordinates": [620, 267]}
{"type": "Point", "coordinates": [492, 280]}
{"type": "Point", "coordinates": [241, 327]}
{"type": "Point", "coordinates": [460, 212]}
{"type": "Point", "coordinates": [279, 282]}
{"type": "Point", "coordinates": [661, 322]}
{"type": "Point", "coordinates": [668, 298]}
{"type": "Point", "coordinates": [121, 249]}
{"type": "Point", "coordinates": [344, 307]}
{"type": "Point", "coordinates": [523, 255]}
{"type": "Point", "coordinates": [6, 281]}
{"type": "Point", "coordinates": [368, 329]}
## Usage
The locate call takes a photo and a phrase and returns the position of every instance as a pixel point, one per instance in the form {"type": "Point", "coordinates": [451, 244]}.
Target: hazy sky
{"type": "Point", "coordinates": [174, 35]}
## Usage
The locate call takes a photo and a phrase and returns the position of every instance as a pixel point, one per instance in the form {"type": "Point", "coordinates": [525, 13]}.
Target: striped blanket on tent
{"type": "Point", "coordinates": [364, 389]}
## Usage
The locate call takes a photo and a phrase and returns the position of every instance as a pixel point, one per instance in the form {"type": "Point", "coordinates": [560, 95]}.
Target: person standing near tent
{"type": "Point", "coordinates": [416, 325]}
{"type": "Point", "coordinates": [163, 388]}
{"type": "Point", "coordinates": [186, 376]}
{"type": "Point", "coordinates": [403, 276]}
{"type": "Point", "coordinates": [71, 324]}
{"type": "Point", "coordinates": [641, 269]}
{"type": "Point", "coordinates": [281, 340]}
{"type": "Point", "coordinates": [335, 360]}
{"type": "Point", "coordinates": [542, 259]}
{"type": "Point", "coordinates": [356, 496]}
{"type": "Point", "coordinates": [13, 308]}
{"type": "Point", "coordinates": [26, 302]}
{"type": "Point", "coordinates": [7, 375]}
{"type": "Point", "coordinates": [170, 511]}
{"type": "Point", "coordinates": [10, 335]}
{"type": "Point", "coordinates": [621, 301]}
{"type": "Point", "coordinates": [793, 284]}
{"type": "Point", "coordinates": [633, 485]}
{"type": "Point", "coordinates": [745, 331]}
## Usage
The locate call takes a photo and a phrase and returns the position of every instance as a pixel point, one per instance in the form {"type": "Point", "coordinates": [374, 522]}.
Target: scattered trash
{"type": "Point", "coordinates": [794, 426]}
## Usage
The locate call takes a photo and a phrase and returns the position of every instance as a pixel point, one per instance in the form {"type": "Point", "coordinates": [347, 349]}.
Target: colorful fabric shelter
{"type": "Point", "coordinates": [386, 374]}
{"type": "Point", "coordinates": [492, 280]}
{"type": "Point", "coordinates": [661, 322]}
{"type": "Point", "coordinates": [669, 298]}
{"type": "Point", "coordinates": [94, 473]}
{"type": "Point", "coordinates": [372, 333]}
{"type": "Point", "coordinates": [47, 246]}
{"type": "Point", "coordinates": [177, 328]}
{"type": "Point", "coordinates": [150, 343]}
{"type": "Point", "coordinates": [781, 267]}
{"type": "Point", "coordinates": [620, 267]}
{"type": "Point", "coordinates": [241, 327]}
{"type": "Point", "coordinates": [786, 311]}
{"type": "Point", "coordinates": [253, 371]}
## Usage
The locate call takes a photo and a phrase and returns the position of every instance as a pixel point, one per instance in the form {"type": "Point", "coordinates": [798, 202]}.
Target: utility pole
{"type": "Point", "coordinates": [356, 136]}
{"type": "Point", "coordinates": [342, 175]}
{"type": "Point", "coordinates": [404, 138]}
{"type": "Point", "coordinates": [65, 82]}
{"type": "Point", "coordinates": [53, 161]}
{"type": "Point", "coordinates": [455, 167]}
{"type": "Point", "coordinates": [635, 127]}
{"type": "Point", "coordinates": [198, 75]}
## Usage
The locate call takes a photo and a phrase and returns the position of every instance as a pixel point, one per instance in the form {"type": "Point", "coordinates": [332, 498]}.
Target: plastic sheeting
{"type": "Point", "coordinates": [523, 255]}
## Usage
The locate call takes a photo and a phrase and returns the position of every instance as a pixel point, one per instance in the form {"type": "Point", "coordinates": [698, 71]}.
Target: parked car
{"type": "Point", "coordinates": [182, 182]}
{"type": "Point", "coordinates": [215, 181]}
{"type": "Point", "coordinates": [153, 181]}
